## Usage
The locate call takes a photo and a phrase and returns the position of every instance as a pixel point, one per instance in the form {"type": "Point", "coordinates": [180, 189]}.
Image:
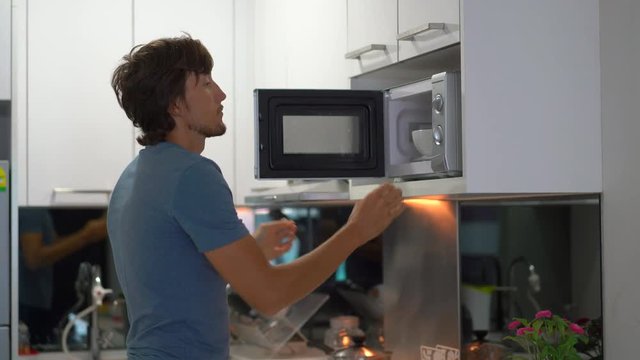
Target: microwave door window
{"type": "Point", "coordinates": [320, 134]}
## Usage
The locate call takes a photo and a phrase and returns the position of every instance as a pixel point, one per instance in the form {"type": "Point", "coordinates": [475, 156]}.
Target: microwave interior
{"type": "Point", "coordinates": [408, 130]}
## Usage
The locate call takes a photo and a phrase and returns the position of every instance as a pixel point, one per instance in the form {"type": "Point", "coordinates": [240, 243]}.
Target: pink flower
{"type": "Point", "coordinates": [576, 329]}
{"type": "Point", "coordinates": [524, 330]}
{"type": "Point", "coordinates": [544, 314]}
{"type": "Point", "coordinates": [514, 325]}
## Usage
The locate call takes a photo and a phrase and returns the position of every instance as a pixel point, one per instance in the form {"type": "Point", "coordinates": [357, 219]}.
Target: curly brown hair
{"type": "Point", "coordinates": [152, 76]}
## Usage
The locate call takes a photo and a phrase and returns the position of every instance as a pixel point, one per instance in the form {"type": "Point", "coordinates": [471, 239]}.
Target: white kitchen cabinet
{"type": "Point", "coordinates": [78, 138]}
{"type": "Point", "coordinates": [212, 23]}
{"type": "Point", "coordinates": [427, 25]}
{"type": "Point", "coordinates": [5, 49]}
{"type": "Point", "coordinates": [372, 30]}
{"type": "Point", "coordinates": [283, 44]}
{"type": "Point", "coordinates": [531, 102]}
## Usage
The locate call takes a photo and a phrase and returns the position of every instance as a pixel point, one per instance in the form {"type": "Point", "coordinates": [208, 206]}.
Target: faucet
{"type": "Point", "coordinates": [97, 294]}
{"type": "Point", "coordinates": [83, 289]}
{"type": "Point", "coordinates": [88, 283]}
{"type": "Point", "coordinates": [534, 285]}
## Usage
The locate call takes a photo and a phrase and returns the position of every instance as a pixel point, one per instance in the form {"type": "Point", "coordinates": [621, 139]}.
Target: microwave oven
{"type": "Point", "coordinates": [410, 131]}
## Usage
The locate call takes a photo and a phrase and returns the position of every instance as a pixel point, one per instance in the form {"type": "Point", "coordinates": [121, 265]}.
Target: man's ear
{"type": "Point", "coordinates": [176, 107]}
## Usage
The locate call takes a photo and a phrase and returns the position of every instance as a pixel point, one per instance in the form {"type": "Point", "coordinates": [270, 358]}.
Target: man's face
{"type": "Point", "coordinates": [203, 110]}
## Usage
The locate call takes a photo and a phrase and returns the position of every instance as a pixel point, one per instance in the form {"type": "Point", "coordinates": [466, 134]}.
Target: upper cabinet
{"type": "Point", "coordinates": [5, 49]}
{"type": "Point", "coordinates": [383, 32]}
{"type": "Point", "coordinates": [531, 101]}
{"type": "Point", "coordinates": [74, 139]}
{"type": "Point", "coordinates": [79, 140]}
{"type": "Point", "coordinates": [283, 44]}
{"type": "Point", "coordinates": [212, 23]}
{"type": "Point", "coordinates": [530, 83]}
{"type": "Point", "coordinates": [371, 34]}
{"type": "Point", "coordinates": [531, 96]}
{"type": "Point", "coordinates": [426, 25]}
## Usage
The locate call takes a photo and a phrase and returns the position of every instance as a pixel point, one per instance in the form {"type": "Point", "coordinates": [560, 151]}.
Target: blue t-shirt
{"type": "Point", "coordinates": [36, 286]}
{"type": "Point", "coordinates": [168, 208]}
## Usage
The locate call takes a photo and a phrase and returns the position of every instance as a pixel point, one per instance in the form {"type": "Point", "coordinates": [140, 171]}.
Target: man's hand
{"type": "Point", "coordinates": [373, 214]}
{"type": "Point", "coordinates": [274, 238]}
{"type": "Point", "coordinates": [95, 230]}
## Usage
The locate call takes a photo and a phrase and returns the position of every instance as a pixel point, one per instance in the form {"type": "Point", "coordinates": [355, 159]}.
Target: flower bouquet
{"type": "Point", "coordinates": [547, 337]}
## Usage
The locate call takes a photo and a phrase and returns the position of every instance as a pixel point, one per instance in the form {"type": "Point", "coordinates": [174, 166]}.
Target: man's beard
{"type": "Point", "coordinates": [209, 131]}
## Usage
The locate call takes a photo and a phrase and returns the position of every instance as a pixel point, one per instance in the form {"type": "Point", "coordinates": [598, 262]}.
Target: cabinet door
{"type": "Point", "coordinates": [371, 23]}
{"type": "Point", "coordinates": [283, 44]}
{"type": "Point", "coordinates": [5, 49]}
{"type": "Point", "coordinates": [78, 137]}
{"type": "Point", "coordinates": [210, 21]}
{"type": "Point", "coordinates": [435, 23]}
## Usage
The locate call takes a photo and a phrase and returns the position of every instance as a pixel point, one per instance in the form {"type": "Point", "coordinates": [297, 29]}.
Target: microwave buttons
{"type": "Point", "coordinates": [437, 135]}
{"type": "Point", "coordinates": [438, 103]}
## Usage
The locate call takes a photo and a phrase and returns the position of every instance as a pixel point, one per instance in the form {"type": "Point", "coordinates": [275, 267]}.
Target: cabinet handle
{"type": "Point", "coordinates": [61, 190]}
{"type": "Point", "coordinates": [410, 34]}
{"type": "Point", "coordinates": [355, 54]}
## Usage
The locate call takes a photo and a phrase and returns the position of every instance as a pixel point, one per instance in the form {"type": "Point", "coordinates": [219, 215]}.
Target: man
{"type": "Point", "coordinates": [175, 234]}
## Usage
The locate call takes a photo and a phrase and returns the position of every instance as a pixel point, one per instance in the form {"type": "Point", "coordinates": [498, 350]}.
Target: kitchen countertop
{"type": "Point", "coordinates": [81, 355]}
{"type": "Point", "coordinates": [239, 352]}
{"type": "Point", "coordinates": [293, 350]}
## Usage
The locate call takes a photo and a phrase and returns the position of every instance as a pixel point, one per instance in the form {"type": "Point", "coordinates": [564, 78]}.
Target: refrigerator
{"type": "Point", "coordinates": [5, 265]}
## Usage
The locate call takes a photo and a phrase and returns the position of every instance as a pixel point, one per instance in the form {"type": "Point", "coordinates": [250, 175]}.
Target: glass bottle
{"type": "Point", "coordinates": [343, 329]}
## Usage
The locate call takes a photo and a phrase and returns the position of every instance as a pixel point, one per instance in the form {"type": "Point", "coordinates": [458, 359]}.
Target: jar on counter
{"type": "Point", "coordinates": [358, 351]}
{"type": "Point", "coordinates": [24, 343]}
{"type": "Point", "coordinates": [342, 332]}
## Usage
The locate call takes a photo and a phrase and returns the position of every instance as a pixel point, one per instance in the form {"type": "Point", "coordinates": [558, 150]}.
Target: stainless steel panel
{"type": "Point", "coordinates": [5, 293]}
{"type": "Point", "coordinates": [5, 350]}
{"type": "Point", "coordinates": [422, 302]}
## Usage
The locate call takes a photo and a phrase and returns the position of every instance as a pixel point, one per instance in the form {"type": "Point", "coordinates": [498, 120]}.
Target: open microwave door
{"type": "Point", "coordinates": [319, 134]}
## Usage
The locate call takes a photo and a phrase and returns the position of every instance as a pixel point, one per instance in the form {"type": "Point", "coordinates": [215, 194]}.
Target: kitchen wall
{"type": "Point", "coordinates": [620, 57]}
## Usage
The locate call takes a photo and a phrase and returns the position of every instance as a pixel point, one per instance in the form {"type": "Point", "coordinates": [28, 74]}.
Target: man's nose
{"type": "Point", "coordinates": [220, 95]}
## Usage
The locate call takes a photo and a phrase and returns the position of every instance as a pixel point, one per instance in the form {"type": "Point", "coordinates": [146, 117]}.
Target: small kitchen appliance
{"type": "Point", "coordinates": [319, 134]}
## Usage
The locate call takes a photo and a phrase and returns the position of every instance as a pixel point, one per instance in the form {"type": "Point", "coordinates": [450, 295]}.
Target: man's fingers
{"type": "Point", "coordinates": [397, 209]}
{"type": "Point", "coordinates": [284, 248]}
{"type": "Point", "coordinates": [285, 232]}
{"type": "Point", "coordinates": [287, 239]}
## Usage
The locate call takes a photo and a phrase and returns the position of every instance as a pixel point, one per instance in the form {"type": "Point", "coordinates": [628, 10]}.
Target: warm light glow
{"type": "Point", "coordinates": [246, 215]}
{"type": "Point", "coordinates": [430, 203]}
{"type": "Point", "coordinates": [346, 341]}
{"type": "Point", "coordinates": [244, 210]}
{"type": "Point", "coordinates": [442, 213]}
{"type": "Point", "coordinates": [261, 211]}
{"type": "Point", "coordinates": [367, 353]}
{"type": "Point", "coordinates": [474, 347]}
